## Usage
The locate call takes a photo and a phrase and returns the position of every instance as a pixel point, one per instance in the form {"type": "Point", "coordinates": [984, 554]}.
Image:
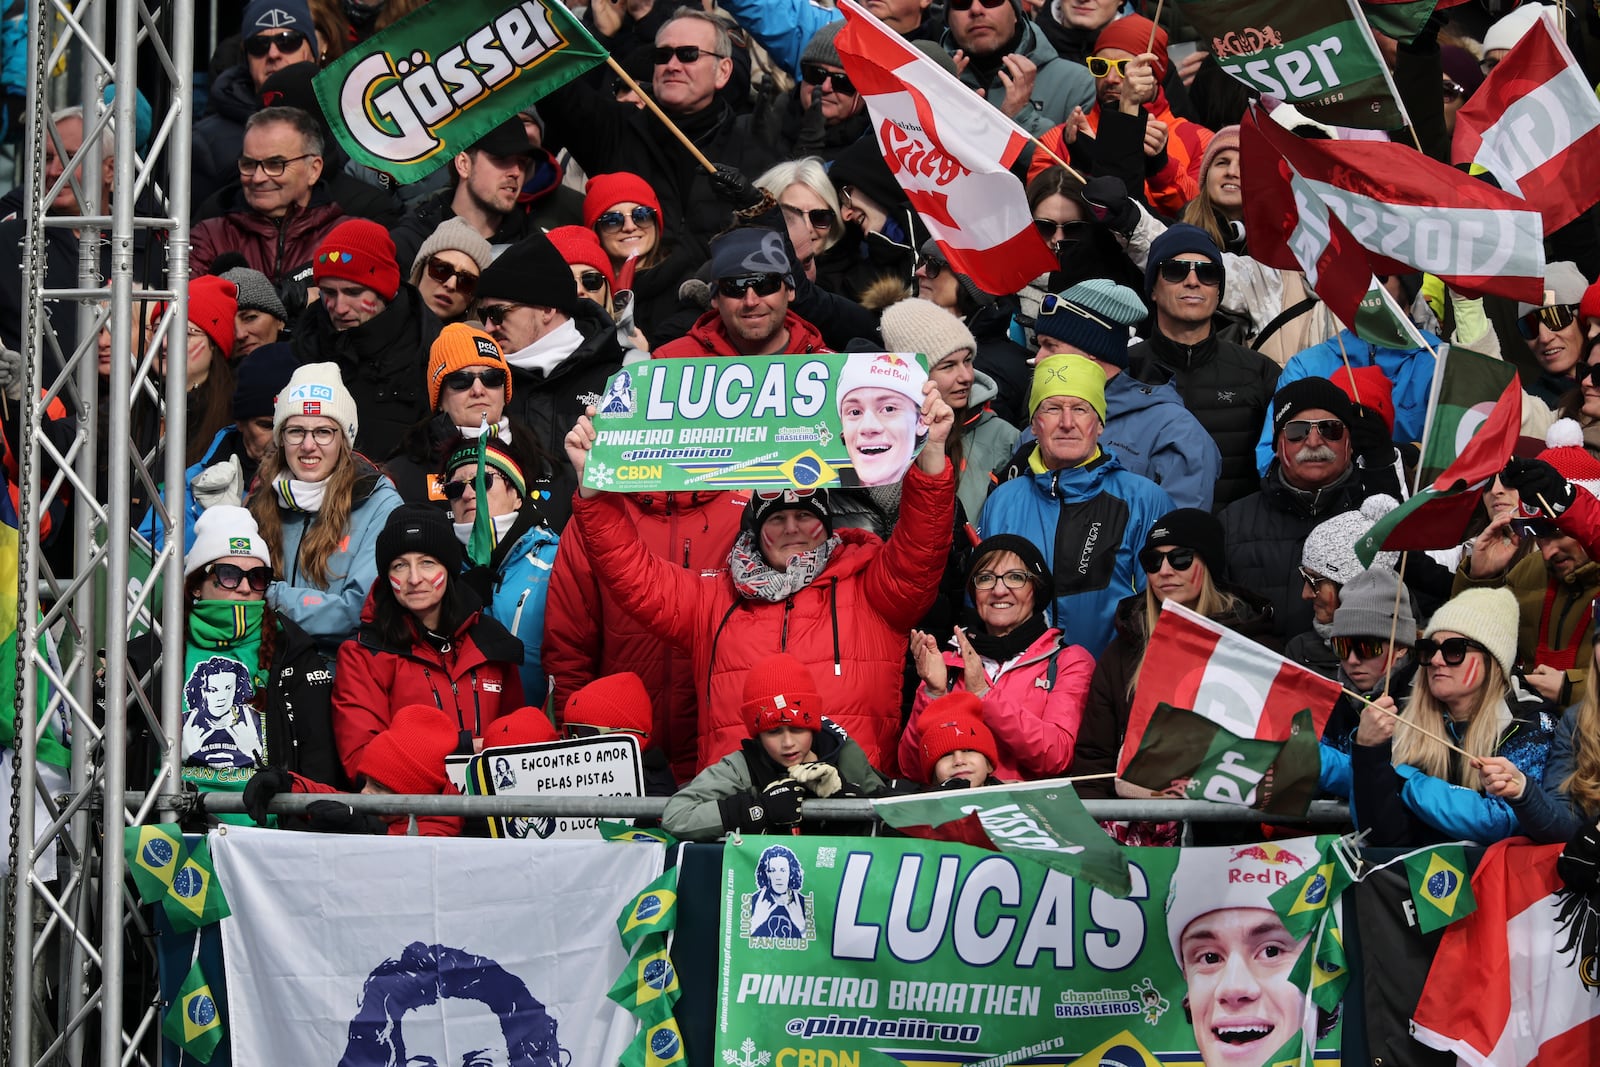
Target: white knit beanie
{"type": "Point", "coordinates": [918, 325]}
{"type": "Point", "coordinates": [1487, 616]}
{"type": "Point", "coordinates": [1330, 548]}
{"type": "Point", "coordinates": [1232, 876]}
{"type": "Point", "coordinates": [225, 530]}
{"type": "Point", "coordinates": [316, 389]}
{"type": "Point", "coordinates": [454, 235]}
{"type": "Point", "coordinates": [1512, 27]}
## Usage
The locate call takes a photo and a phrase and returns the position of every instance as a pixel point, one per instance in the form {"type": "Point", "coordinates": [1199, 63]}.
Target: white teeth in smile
{"type": "Point", "coordinates": [1240, 1035]}
{"type": "Point", "coordinates": [874, 450]}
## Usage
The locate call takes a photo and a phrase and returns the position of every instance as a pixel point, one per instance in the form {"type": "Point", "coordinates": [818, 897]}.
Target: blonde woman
{"type": "Point", "coordinates": [1408, 788]}
{"type": "Point", "coordinates": [320, 506]}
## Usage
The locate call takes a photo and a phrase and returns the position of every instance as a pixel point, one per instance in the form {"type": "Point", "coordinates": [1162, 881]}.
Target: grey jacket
{"type": "Point", "coordinates": [1058, 87]}
{"type": "Point", "coordinates": [987, 442]}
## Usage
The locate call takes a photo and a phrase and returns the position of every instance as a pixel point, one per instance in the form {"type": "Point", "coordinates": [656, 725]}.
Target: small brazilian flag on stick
{"type": "Point", "coordinates": [154, 854]}
{"type": "Point", "coordinates": [621, 831]}
{"type": "Point", "coordinates": [194, 1021]}
{"type": "Point", "coordinates": [653, 911]}
{"type": "Point", "coordinates": [1321, 969]}
{"type": "Point", "coordinates": [649, 986]}
{"type": "Point", "coordinates": [195, 897]}
{"type": "Point", "coordinates": [658, 1045]}
{"type": "Point", "coordinates": [1302, 903]}
{"type": "Point", "coordinates": [1441, 892]}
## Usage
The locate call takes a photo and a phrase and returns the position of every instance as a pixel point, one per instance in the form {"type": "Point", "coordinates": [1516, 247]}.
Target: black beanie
{"type": "Point", "coordinates": [1190, 528]}
{"type": "Point", "coordinates": [1304, 394]}
{"type": "Point", "coordinates": [767, 502]}
{"type": "Point", "coordinates": [531, 272]}
{"type": "Point", "coordinates": [1031, 558]}
{"type": "Point", "coordinates": [418, 528]}
{"type": "Point", "coordinates": [261, 376]}
{"type": "Point", "coordinates": [1178, 239]}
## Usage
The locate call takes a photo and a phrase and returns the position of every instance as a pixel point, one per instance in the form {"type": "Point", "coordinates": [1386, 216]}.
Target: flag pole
{"type": "Point", "coordinates": [1388, 77]}
{"type": "Point", "coordinates": [1354, 388]}
{"type": "Point", "coordinates": [1394, 622]}
{"type": "Point", "coordinates": [1063, 163]}
{"type": "Point", "coordinates": [1155, 24]}
{"type": "Point", "coordinates": [627, 79]}
{"type": "Point", "coordinates": [1399, 721]}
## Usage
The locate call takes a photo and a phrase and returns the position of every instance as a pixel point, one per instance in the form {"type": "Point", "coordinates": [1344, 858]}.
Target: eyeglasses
{"type": "Point", "coordinates": [457, 489]}
{"type": "Point", "coordinates": [818, 218]}
{"type": "Point", "coordinates": [272, 166]}
{"type": "Point", "coordinates": [442, 272]}
{"type": "Point", "coordinates": [686, 53]}
{"type": "Point", "coordinates": [1100, 66]}
{"type": "Point", "coordinates": [1180, 559]}
{"type": "Point", "coordinates": [592, 281]}
{"type": "Point", "coordinates": [1316, 581]}
{"type": "Point", "coordinates": [611, 221]}
{"type": "Point", "coordinates": [763, 284]}
{"type": "Point", "coordinates": [1054, 303]}
{"type": "Point", "coordinates": [461, 381]}
{"type": "Point", "coordinates": [1076, 230]}
{"type": "Point", "coordinates": [583, 729]}
{"type": "Point", "coordinates": [1452, 91]}
{"type": "Point", "coordinates": [963, 5]}
{"type": "Point", "coordinates": [931, 267]}
{"type": "Point", "coordinates": [1296, 430]}
{"type": "Point", "coordinates": [818, 76]}
{"type": "Point", "coordinates": [1454, 650]}
{"type": "Point", "coordinates": [1012, 579]}
{"type": "Point", "coordinates": [1363, 647]}
{"type": "Point", "coordinates": [1556, 317]}
{"type": "Point", "coordinates": [1177, 271]}
{"type": "Point", "coordinates": [495, 314]}
{"type": "Point", "coordinates": [228, 576]}
{"type": "Point", "coordinates": [322, 435]}
{"type": "Point", "coordinates": [288, 43]}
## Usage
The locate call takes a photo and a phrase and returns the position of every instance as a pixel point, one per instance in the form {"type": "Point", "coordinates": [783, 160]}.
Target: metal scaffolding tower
{"type": "Point", "coordinates": [75, 944]}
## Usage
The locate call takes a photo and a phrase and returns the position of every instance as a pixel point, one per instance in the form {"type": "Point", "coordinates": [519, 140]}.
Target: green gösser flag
{"type": "Point", "coordinates": [431, 85]}
{"type": "Point", "coordinates": [1441, 891]}
{"type": "Point", "coordinates": [194, 1021]}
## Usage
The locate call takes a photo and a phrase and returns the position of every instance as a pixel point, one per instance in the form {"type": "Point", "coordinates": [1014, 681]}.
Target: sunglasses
{"type": "Point", "coordinates": [1315, 581]}
{"type": "Point", "coordinates": [1181, 559]}
{"type": "Point", "coordinates": [228, 576]}
{"type": "Point", "coordinates": [592, 281]}
{"type": "Point", "coordinates": [442, 272]}
{"type": "Point", "coordinates": [819, 77]}
{"type": "Point", "coordinates": [1297, 430]}
{"type": "Point", "coordinates": [1453, 649]}
{"type": "Point", "coordinates": [767, 496]}
{"type": "Point", "coordinates": [686, 54]}
{"type": "Point", "coordinates": [763, 284]}
{"type": "Point", "coordinates": [819, 218]}
{"type": "Point", "coordinates": [931, 268]}
{"type": "Point", "coordinates": [1054, 303]}
{"type": "Point", "coordinates": [1556, 317]}
{"type": "Point", "coordinates": [611, 221]}
{"type": "Point", "coordinates": [456, 490]}
{"type": "Point", "coordinates": [964, 5]}
{"type": "Point", "coordinates": [1100, 67]}
{"type": "Point", "coordinates": [1069, 231]}
{"type": "Point", "coordinates": [461, 381]}
{"type": "Point", "coordinates": [1584, 372]}
{"type": "Point", "coordinates": [495, 314]}
{"type": "Point", "coordinates": [288, 43]}
{"type": "Point", "coordinates": [1363, 647]}
{"type": "Point", "coordinates": [583, 729]}
{"type": "Point", "coordinates": [1452, 91]}
{"type": "Point", "coordinates": [1012, 579]}
{"type": "Point", "coordinates": [1177, 271]}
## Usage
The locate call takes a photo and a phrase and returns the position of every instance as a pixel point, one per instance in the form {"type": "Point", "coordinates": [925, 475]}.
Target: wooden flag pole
{"type": "Point", "coordinates": [1394, 622]}
{"type": "Point", "coordinates": [1067, 166]}
{"type": "Point", "coordinates": [683, 138]}
{"type": "Point", "coordinates": [1155, 24]}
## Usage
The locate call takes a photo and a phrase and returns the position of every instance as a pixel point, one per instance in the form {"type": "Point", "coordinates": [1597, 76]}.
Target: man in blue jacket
{"type": "Point", "coordinates": [1074, 500]}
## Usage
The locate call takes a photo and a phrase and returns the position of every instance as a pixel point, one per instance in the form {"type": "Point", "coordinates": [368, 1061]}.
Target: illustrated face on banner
{"type": "Point", "coordinates": [454, 1033]}
{"type": "Point", "coordinates": [778, 909]}
{"type": "Point", "coordinates": [220, 729]}
{"type": "Point", "coordinates": [1237, 963]}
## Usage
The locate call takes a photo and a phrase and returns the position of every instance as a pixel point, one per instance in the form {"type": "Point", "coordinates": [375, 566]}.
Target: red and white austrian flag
{"type": "Point", "coordinates": [949, 150]}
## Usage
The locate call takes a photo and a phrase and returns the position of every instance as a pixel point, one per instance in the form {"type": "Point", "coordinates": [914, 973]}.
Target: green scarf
{"type": "Point", "coordinates": [223, 755]}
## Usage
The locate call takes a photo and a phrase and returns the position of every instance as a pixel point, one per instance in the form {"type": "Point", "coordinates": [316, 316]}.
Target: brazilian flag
{"type": "Point", "coordinates": [195, 897]}
{"type": "Point", "coordinates": [654, 910]}
{"type": "Point", "coordinates": [621, 831]}
{"type": "Point", "coordinates": [1441, 891]}
{"type": "Point", "coordinates": [649, 986]}
{"type": "Point", "coordinates": [1322, 969]}
{"type": "Point", "coordinates": [194, 1021]}
{"type": "Point", "coordinates": [658, 1045]}
{"type": "Point", "coordinates": [1302, 902]}
{"type": "Point", "coordinates": [154, 854]}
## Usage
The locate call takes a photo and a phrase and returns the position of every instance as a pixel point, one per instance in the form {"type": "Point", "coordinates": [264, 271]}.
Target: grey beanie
{"type": "Point", "coordinates": [1367, 608]}
{"type": "Point", "coordinates": [1563, 282]}
{"type": "Point", "coordinates": [820, 48]}
{"type": "Point", "coordinates": [453, 235]}
{"type": "Point", "coordinates": [256, 292]}
{"type": "Point", "coordinates": [1330, 547]}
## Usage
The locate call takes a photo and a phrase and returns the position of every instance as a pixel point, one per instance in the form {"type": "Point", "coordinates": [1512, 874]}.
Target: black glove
{"type": "Point", "coordinates": [337, 817]}
{"type": "Point", "coordinates": [261, 788]}
{"type": "Point", "coordinates": [848, 792]}
{"type": "Point", "coordinates": [1108, 198]}
{"type": "Point", "coordinates": [775, 807]}
{"type": "Point", "coordinates": [731, 185]}
{"type": "Point", "coordinates": [1369, 439]}
{"type": "Point", "coordinates": [954, 783]}
{"type": "Point", "coordinates": [1579, 862]}
{"type": "Point", "coordinates": [1539, 485]}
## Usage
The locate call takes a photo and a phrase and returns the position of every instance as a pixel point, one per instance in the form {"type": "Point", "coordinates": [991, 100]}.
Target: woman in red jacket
{"type": "Point", "coordinates": [841, 602]}
{"type": "Point", "coordinates": [423, 640]}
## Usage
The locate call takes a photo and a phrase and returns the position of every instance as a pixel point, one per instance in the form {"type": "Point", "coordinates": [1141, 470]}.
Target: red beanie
{"type": "Point", "coordinates": [615, 702]}
{"type": "Point", "coordinates": [779, 691]}
{"type": "Point", "coordinates": [408, 757]}
{"type": "Point", "coordinates": [581, 248]}
{"type": "Point", "coordinates": [213, 303]}
{"type": "Point", "coordinates": [360, 251]}
{"type": "Point", "coordinates": [1369, 387]}
{"type": "Point", "coordinates": [525, 726]}
{"type": "Point", "coordinates": [952, 722]}
{"type": "Point", "coordinates": [606, 191]}
{"type": "Point", "coordinates": [1589, 307]}
{"type": "Point", "coordinates": [1565, 452]}
{"type": "Point", "coordinates": [1131, 33]}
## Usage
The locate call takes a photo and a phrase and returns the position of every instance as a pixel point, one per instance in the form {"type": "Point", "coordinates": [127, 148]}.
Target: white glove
{"type": "Point", "coordinates": [821, 778]}
{"type": "Point", "coordinates": [220, 483]}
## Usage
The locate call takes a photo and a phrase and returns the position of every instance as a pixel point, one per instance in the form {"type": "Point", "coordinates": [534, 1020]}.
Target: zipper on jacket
{"type": "Point", "coordinates": [516, 616]}
{"type": "Point", "coordinates": [783, 634]}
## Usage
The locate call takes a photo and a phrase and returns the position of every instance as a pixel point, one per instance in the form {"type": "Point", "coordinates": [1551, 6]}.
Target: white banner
{"type": "Point", "coordinates": [377, 951]}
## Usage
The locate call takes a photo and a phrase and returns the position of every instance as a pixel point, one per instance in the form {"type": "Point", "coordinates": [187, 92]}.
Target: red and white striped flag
{"type": "Point", "coordinates": [949, 151]}
{"type": "Point", "coordinates": [1500, 992]}
{"type": "Point", "coordinates": [1535, 125]}
{"type": "Point", "coordinates": [1242, 686]}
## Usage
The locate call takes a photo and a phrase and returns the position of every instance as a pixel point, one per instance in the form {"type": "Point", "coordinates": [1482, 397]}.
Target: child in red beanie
{"type": "Point", "coordinates": [793, 751]}
{"type": "Point", "coordinates": [958, 750]}
{"type": "Point", "coordinates": [619, 703]}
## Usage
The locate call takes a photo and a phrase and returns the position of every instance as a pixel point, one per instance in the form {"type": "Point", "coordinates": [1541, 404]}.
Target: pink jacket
{"type": "Point", "coordinates": [1035, 728]}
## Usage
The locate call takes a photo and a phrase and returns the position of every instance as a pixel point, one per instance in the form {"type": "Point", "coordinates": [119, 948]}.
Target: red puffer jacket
{"type": "Point", "coordinates": [399, 825]}
{"type": "Point", "coordinates": [275, 247]}
{"type": "Point", "coordinates": [476, 681]}
{"type": "Point", "coordinates": [709, 337]}
{"type": "Point", "coordinates": [850, 625]}
{"type": "Point", "coordinates": [588, 634]}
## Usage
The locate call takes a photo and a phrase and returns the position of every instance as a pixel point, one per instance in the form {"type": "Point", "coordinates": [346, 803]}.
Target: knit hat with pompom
{"type": "Point", "coordinates": [1565, 452]}
{"type": "Point", "coordinates": [1330, 548]}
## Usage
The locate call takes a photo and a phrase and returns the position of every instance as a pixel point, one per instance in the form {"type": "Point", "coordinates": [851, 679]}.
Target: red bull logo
{"type": "Point", "coordinates": [1267, 853]}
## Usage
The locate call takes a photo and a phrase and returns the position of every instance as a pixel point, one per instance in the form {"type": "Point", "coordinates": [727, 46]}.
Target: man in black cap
{"type": "Point", "coordinates": [561, 350]}
{"type": "Point", "coordinates": [1313, 476]}
{"type": "Point", "coordinates": [752, 287]}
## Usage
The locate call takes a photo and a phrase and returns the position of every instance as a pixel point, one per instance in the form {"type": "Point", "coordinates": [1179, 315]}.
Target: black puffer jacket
{"type": "Point", "coordinates": [1228, 388]}
{"type": "Point", "coordinates": [219, 135]}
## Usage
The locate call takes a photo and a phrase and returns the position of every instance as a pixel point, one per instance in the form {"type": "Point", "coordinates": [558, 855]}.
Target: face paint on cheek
{"type": "Point", "coordinates": [397, 585]}
{"type": "Point", "coordinates": [1472, 673]}
{"type": "Point", "coordinates": [369, 305]}
{"type": "Point", "coordinates": [437, 582]}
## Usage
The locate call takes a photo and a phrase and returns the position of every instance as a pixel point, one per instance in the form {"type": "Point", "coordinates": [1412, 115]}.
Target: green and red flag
{"type": "Point", "coordinates": [1181, 748]}
{"type": "Point", "coordinates": [1466, 385]}
{"type": "Point", "coordinates": [410, 98]}
{"type": "Point", "coordinates": [1437, 517]}
{"type": "Point", "coordinates": [1039, 822]}
{"type": "Point", "coordinates": [1441, 889]}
